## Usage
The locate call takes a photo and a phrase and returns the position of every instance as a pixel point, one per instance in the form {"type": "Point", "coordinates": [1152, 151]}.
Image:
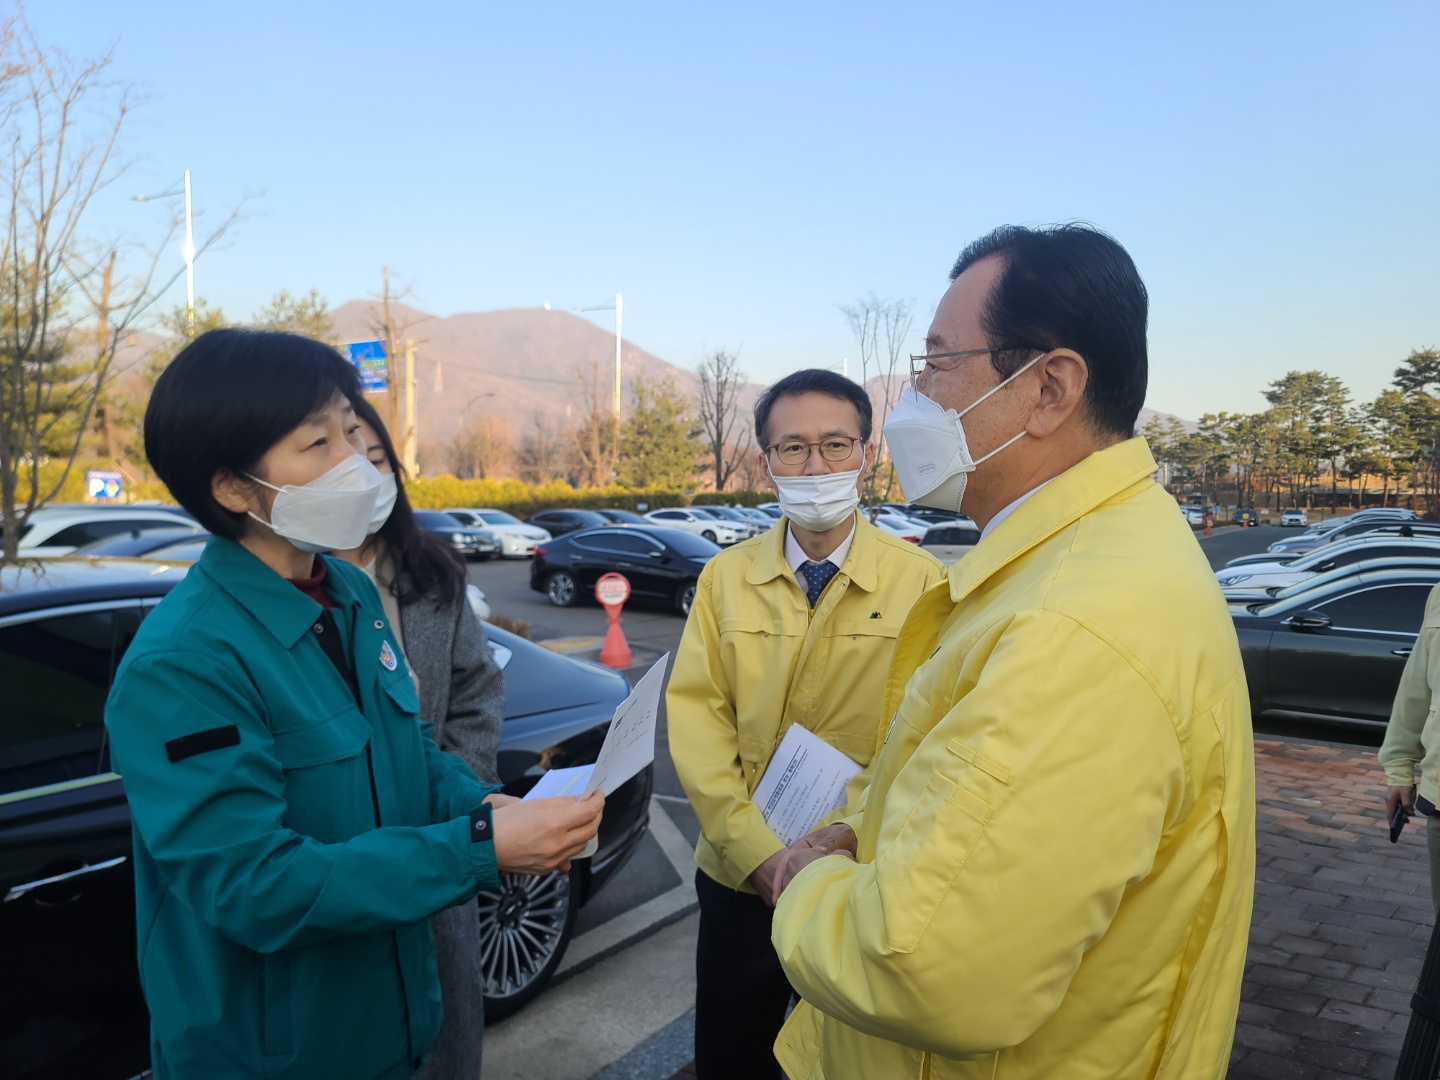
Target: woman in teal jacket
{"type": "Point", "coordinates": [295, 825]}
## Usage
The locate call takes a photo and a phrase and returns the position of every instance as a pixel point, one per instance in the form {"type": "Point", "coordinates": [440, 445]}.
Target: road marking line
{"type": "Point", "coordinates": [617, 933]}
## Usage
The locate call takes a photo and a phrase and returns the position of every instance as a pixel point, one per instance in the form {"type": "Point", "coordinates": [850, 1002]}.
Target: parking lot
{"type": "Point", "coordinates": [1341, 919]}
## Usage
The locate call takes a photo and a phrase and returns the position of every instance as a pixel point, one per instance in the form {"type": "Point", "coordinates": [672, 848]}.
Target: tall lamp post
{"type": "Point", "coordinates": [188, 249]}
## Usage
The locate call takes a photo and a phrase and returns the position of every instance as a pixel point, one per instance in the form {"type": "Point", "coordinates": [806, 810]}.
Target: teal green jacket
{"type": "Point", "coordinates": [290, 848]}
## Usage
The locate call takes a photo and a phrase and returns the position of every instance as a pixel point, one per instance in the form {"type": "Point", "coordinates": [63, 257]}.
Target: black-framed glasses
{"type": "Point", "coordinates": [920, 363]}
{"type": "Point", "coordinates": [794, 452]}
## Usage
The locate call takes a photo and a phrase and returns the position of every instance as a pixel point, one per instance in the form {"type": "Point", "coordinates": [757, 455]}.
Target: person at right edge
{"type": "Point", "coordinates": [792, 627]}
{"type": "Point", "coordinates": [1413, 736]}
{"type": "Point", "coordinates": [1051, 871]}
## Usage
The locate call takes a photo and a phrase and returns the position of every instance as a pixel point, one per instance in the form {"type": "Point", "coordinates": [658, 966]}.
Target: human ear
{"type": "Point", "coordinates": [232, 491]}
{"type": "Point", "coordinates": [1062, 376]}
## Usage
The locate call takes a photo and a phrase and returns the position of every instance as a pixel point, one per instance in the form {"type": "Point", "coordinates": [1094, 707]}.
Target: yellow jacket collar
{"type": "Point", "coordinates": [859, 563]}
{"type": "Point", "coordinates": [1063, 501]}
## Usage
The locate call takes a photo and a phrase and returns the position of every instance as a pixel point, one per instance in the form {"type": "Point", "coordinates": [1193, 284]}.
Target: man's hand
{"type": "Point", "coordinates": [762, 879]}
{"type": "Point", "coordinates": [541, 835]}
{"type": "Point", "coordinates": [1399, 795]}
{"type": "Point", "coordinates": [838, 839]}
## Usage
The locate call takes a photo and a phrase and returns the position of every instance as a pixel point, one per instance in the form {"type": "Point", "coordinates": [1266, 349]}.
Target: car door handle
{"type": "Point", "coordinates": [1399, 652]}
{"type": "Point", "coordinates": [20, 890]}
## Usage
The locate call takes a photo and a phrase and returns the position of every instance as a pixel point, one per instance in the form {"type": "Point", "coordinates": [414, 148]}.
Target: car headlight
{"type": "Point", "coordinates": [457, 538]}
{"type": "Point", "coordinates": [1228, 581]}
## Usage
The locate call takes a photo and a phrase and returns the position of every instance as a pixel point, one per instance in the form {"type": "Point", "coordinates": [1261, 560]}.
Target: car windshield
{"type": "Point", "coordinates": [438, 519]}
{"type": "Point", "coordinates": [498, 517]}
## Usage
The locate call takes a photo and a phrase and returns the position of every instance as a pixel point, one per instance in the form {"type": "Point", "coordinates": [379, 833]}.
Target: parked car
{"type": "Point", "coordinates": [138, 543]}
{"type": "Point", "coordinates": [1244, 595]}
{"type": "Point", "coordinates": [517, 539]}
{"type": "Point", "coordinates": [1387, 513]}
{"type": "Point", "coordinates": [661, 564]}
{"type": "Point", "coordinates": [1261, 576]}
{"type": "Point", "coordinates": [771, 509]}
{"type": "Point", "coordinates": [950, 543]}
{"type": "Point", "coordinates": [468, 541]}
{"type": "Point", "coordinates": [902, 527]}
{"type": "Point", "coordinates": [717, 531]}
{"type": "Point", "coordinates": [71, 1000]}
{"type": "Point", "coordinates": [59, 531]}
{"type": "Point", "coordinates": [757, 516]}
{"type": "Point", "coordinates": [559, 522]}
{"type": "Point", "coordinates": [729, 513]}
{"type": "Point", "coordinates": [1293, 519]}
{"type": "Point", "coordinates": [623, 517]}
{"type": "Point", "coordinates": [929, 515]}
{"type": "Point", "coordinates": [1334, 653]}
{"type": "Point", "coordinates": [1298, 545]}
{"type": "Point", "coordinates": [1245, 518]}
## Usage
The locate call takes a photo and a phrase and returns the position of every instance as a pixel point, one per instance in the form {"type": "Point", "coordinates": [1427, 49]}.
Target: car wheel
{"type": "Point", "coordinates": [524, 929]}
{"type": "Point", "coordinates": [709, 534]}
{"type": "Point", "coordinates": [685, 597]}
{"type": "Point", "coordinates": [561, 589]}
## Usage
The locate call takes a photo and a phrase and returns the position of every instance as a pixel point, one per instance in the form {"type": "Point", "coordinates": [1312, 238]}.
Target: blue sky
{"type": "Point", "coordinates": [740, 170]}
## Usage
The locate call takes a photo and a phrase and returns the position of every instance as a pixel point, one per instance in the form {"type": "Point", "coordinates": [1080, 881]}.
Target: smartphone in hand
{"type": "Point", "coordinates": [1398, 822]}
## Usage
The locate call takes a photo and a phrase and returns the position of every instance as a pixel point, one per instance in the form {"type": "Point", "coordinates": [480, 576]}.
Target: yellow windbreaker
{"type": "Point", "coordinates": [1057, 848]}
{"type": "Point", "coordinates": [755, 659]}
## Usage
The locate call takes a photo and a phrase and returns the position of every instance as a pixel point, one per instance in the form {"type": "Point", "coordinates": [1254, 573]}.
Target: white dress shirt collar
{"type": "Point", "coordinates": [1003, 514]}
{"type": "Point", "coordinates": [796, 557]}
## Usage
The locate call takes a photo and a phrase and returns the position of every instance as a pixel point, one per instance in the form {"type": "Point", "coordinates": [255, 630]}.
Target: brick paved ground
{"type": "Point", "coordinates": [1342, 919]}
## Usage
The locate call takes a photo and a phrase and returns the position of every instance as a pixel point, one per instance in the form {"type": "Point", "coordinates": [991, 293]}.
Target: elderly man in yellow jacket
{"type": "Point", "coordinates": [792, 627]}
{"type": "Point", "coordinates": [1050, 874]}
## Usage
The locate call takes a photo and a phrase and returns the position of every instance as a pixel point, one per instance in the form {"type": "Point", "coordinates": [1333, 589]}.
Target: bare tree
{"type": "Point", "coordinates": [597, 440]}
{"type": "Point", "coordinates": [544, 455]}
{"type": "Point", "coordinates": [882, 330]}
{"type": "Point", "coordinates": [391, 326]}
{"type": "Point", "coordinates": [723, 427]}
{"type": "Point", "coordinates": [69, 303]}
{"type": "Point", "coordinates": [482, 450]}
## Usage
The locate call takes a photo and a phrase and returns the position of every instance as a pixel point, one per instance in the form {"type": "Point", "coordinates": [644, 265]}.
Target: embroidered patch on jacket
{"type": "Point", "coordinates": [387, 657]}
{"type": "Point", "coordinates": [874, 614]}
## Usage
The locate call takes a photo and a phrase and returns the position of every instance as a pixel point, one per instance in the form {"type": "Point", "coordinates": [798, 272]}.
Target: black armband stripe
{"type": "Point", "coordinates": [187, 746]}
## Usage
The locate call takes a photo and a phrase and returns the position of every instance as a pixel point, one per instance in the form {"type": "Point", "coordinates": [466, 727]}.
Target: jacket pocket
{"type": "Point", "coordinates": [914, 873]}
{"type": "Point", "coordinates": [335, 739]}
{"type": "Point", "coordinates": [328, 791]}
{"type": "Point", "coordinates": [402, 693]}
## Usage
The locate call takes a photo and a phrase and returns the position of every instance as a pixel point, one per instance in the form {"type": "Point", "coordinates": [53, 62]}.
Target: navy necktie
{"type": "Point", "coordinates": [816, 576]}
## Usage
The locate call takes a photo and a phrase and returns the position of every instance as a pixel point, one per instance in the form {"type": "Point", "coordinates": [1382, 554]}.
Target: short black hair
{"type": "Point", "coordinates": [423, 564]}
{"type": "Point", "coordinates": [228, 398]}
{"type": "Point", "coordinates": [814, 381]}
{"type": "Point", "coordinates": [1069, 287]}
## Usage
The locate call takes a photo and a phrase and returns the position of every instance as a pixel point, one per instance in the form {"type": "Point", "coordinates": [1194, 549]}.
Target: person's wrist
{"type": "Point", "coordinates": [482, 825]}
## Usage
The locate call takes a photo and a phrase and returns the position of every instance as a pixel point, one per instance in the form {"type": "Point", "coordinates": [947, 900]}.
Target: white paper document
{"type": "Point", "coordinates": [804, 782]}
{"type": "Point", "coordinates": [629, 746]}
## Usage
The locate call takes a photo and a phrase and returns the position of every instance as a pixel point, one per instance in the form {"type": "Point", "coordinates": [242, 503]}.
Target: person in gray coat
{"type": "Point", "coordinates": [423, 587]}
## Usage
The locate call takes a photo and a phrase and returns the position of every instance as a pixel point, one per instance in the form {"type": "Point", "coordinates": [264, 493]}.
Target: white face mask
{"type": "Point", "coordinates": [928, 446]}
{"type": "Point", "coordinates": [384, 502]}
{"type": "Point", "coordinates": [819, 503]}
{"type": "Point", "coordinates": [332, 512]}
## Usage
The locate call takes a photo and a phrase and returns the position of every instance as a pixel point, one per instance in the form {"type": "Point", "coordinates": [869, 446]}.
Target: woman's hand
{"type": "Point", "coordinates": [541, 835]}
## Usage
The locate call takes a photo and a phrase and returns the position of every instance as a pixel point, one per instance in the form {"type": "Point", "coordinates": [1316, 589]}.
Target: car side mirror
{"type": "Point", "coordinates": [1308, 622]}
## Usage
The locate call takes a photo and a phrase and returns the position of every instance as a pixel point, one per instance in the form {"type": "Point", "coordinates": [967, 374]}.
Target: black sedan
{"type": "Point", "coordinates": [623, 517]}
{"type": "Point", "coordinates": [661, 564]}
{"type": "Point", "coordinates": [70, 1002]}
{"type": "Point", "coordinates": [560, 522]}
{"type": "Point", "coordinates": [468, 541]}
{"type": "Point", "coordinates": [1333, 653]}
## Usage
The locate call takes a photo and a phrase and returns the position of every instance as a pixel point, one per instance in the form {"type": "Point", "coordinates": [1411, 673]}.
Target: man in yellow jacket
{"type": "Point", "coordinates": [1050, 874]}
{"type": "Point", "coordinates": [792, 627]}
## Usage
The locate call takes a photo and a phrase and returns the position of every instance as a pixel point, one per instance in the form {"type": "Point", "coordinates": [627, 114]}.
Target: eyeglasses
{"type": "Point", "coordinates": [834, 449]}
{"type": "Point", "coordinates": [919, 363]}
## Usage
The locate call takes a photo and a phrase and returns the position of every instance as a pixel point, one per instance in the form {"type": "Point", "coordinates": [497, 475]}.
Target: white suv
{"type": "Point", "coordinates": [59, 532]}
{"type": "Point", "coordinates": [717, 532]}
